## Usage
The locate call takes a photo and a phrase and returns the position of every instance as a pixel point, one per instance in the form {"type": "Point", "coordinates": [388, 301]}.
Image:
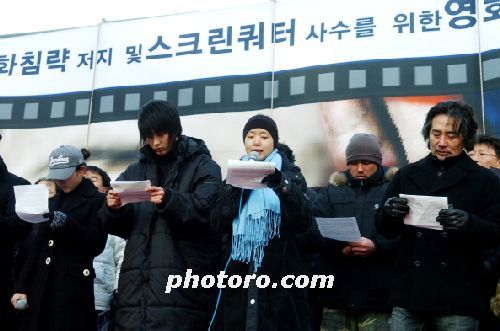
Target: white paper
{"type": "Point", "coordinates": [339, 228]}
{"type": "Point", "coordinates": [132, 191]}
{"type": "Point", "coordinates": [32, 201]}
{"type": "Point", "coordinates": [424, 210]}
{"type": "Point", "coordinates": [248, 174]}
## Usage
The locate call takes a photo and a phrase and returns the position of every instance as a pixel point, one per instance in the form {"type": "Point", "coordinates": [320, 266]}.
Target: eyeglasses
{"type": "Point", "coordinates": [481, 154]}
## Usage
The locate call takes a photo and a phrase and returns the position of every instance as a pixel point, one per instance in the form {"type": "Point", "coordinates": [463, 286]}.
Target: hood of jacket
{"type": "Point", "coordinates": [341, 178]}
{"type": "Point", "coordinates": [186, 147]}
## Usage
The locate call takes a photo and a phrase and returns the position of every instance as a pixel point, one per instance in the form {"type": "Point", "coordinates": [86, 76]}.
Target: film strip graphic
{"type": "Point", "coordinates": [376, 78]}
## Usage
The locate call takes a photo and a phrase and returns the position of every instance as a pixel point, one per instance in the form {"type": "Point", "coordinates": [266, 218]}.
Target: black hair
{"type": "Point", "coordinates": [486, 139]}
{"type": "Point", "coordinates": [462, 116]}
{"type": "Point", "coordinates": [86, 153]}
{"type": "Point", "coordinates": [106, 181]}
{"type": "Point", "coordinates": [287, 151]}
{"type": "Point", "coordinates": [158, 117]}
{"type": "Point", "coordinates": [43, 179]}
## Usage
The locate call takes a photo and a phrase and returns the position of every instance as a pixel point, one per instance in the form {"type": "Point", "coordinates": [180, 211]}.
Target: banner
{"type": "Point", "coordinates": [323, 70]}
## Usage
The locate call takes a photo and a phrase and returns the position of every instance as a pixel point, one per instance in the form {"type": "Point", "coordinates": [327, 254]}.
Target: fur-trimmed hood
{"type": "Point", "coordinates": [338, 178]}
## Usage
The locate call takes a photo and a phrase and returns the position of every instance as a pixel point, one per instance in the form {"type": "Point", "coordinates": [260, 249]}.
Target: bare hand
{"type": "Point", "coordinates": [18, 296]}
{"type": "Point", "coordinates": [157, 194]}
{"type": "Point", "coordinates": [365, 247]}
{"type": "Point", "coordinates": [114, 201]}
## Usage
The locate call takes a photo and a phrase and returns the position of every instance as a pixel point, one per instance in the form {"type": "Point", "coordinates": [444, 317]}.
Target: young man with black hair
{"type": "Point", "coordinates": [171, 232]}
{"type": "Point", "coordinates": [56, 282]}
{"type": "Point", "coordinates": [436, 279]}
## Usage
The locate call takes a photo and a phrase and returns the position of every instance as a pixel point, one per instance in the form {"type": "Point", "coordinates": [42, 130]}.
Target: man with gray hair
{"type": "Point", "coordinates": [436, 279]}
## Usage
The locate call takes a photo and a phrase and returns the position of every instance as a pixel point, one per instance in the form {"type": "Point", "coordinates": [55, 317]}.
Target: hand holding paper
{"type": "Point", "coordinates": [424, 210]}
{"type": "Point", "coordinates": [340, 228]}
{"type": "Point", "coordinates": [248, 174]}
{"type": "Point", "coordinates": [128, 192]}
{"type": "Point", "coordinates": [453, 219]}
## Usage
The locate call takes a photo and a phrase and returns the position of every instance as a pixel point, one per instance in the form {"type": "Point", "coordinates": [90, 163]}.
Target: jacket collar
{"type": "Point", "coordinates": [74, 199]}
{"type": "Point", "coordinates": [432, 175]}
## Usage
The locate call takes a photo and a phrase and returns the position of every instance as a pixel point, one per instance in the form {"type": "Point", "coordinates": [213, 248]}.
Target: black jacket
{"type": "Point", "coordinates": [361, 283]}
{"type": "Point", "coordinates": [439, 271]}
{"type": "Point", "coordinates": [167, 241]}
{"type": "Point", "coordinates": [58, 276]}
{"type": "Point", "coordinates": [266, 308]}
{"type": "Point", "coordinates": [12, 231]}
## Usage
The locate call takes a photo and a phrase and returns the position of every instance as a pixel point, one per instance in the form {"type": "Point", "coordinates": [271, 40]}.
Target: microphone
{"type": "Point", "coordinates": [253, 155]}
{"type": "Point", "coordinates": [21, 304]}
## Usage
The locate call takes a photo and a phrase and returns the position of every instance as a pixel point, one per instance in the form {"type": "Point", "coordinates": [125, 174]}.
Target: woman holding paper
{"type": "Point", "coordinates": [262, 224]}
{"type": "Point", "coordinates": [170, 232]}
{"type": "Point", "coordinates": [55, 286]}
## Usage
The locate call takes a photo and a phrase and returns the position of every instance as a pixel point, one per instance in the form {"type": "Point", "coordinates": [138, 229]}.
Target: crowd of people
{"type": "Point", "coordinates": [98, 263]}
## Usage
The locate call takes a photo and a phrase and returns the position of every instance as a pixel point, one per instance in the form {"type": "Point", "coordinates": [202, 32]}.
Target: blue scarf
{"type": "Point", "coordinates": [257, 222]}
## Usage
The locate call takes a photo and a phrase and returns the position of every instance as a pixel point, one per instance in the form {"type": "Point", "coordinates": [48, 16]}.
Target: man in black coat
{"type": "Point", "coordinates": [57, 279]}
{"type": "Point", "coordinates": [362, 269]}
{"type": "Point", "coordinates": [168, 234]}
{"type": "Point", "coordinates": [437, 276]}
{"type": "Point", "coordinates": [12, 231]}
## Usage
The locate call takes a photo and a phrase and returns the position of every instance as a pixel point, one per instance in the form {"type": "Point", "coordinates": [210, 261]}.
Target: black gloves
{"type": "Point", "coordinates": [453, 219]}
{"type": "Point", "coordinates": [57, 219]}
{"type": "Point", "coordinates": [396, 207]}
{"type": "Point", "coordinates": [273, 180]}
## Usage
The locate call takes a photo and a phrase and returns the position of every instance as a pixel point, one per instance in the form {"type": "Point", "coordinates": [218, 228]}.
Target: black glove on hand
{"type": "Point", "coordinates": [57, 219]}
{"type": "Point", "coordinates": [396, 207]}
{"type": "Point", "coordinates": [453, 219]}
{"type": "Point", "coordinates": [273, 180]}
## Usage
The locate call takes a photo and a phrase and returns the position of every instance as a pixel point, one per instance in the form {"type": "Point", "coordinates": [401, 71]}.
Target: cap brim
{"type": "Point", "coordinates": [61, 174]}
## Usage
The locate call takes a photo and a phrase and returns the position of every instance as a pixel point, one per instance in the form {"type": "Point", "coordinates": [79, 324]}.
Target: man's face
{"type": "Point", "coordinates": [443, 140]}
{"type": "Point", "coordinates": [69, 184]}
{"type": "Point", "coordinates": [362, 169]}
{"type": "Point", "coordinates": [259, 140]}
{"type": "Point", "coordinates": [161, 143]}
{"type": "Point", "coordinates": [485, 156]}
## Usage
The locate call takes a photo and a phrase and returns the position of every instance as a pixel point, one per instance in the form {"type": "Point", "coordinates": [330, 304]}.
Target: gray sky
{"type": "Point", "coordinates": [35, 15]}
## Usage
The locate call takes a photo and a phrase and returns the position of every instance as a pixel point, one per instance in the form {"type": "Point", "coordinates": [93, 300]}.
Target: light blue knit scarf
{"type": "Point", "coordinates": [257, 222]}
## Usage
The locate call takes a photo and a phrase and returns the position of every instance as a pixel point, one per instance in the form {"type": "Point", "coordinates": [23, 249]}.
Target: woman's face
{"type": "Point", "coordinates": [259, 140]}
{"type": "Point", "coordinates": [96, 179]}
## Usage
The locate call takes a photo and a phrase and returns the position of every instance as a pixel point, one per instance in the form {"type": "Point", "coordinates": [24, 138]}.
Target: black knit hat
{"type": "Point", "coordinates": [363, 147]}
{"type": "Point", "coordinates": [262, 122]}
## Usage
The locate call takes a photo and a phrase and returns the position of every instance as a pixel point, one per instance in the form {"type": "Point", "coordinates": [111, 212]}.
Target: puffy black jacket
{"type": "Point", "coordinates": [168, 241]}
{"type": "Point", "coordinates": [361, 283]}
{"type": "Point", "coordinates": [266, 308]}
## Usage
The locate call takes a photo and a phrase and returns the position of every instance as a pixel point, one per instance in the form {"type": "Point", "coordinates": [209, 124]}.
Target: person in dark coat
{"type": "Point", "coordinates": [169, 234]}
{"type": "Point", "coordinates": [57, 279]}
{"type": "Point", "coordinates": [437, 275]}
{"type": "Point", "coordinates": [362, 270]}
{"type": "Point", "coordinates": [12, 231]}
{"type": "Point", "coordinates": [260, 225]}
{"type": "Point", "coordinates": [486, 153]}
